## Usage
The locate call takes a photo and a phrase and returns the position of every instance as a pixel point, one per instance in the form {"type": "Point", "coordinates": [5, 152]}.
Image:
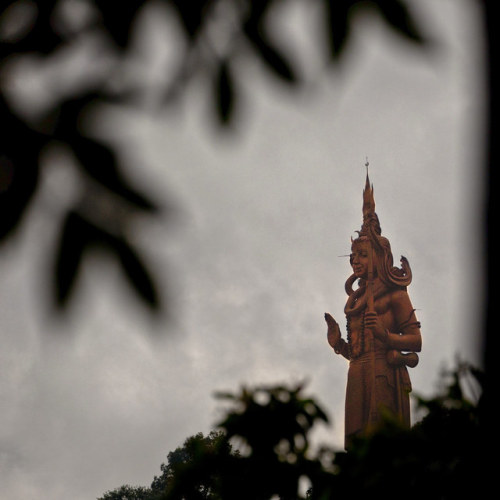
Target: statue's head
{"type": "Point", "coordinates": [362, 259]}
{"type": "Point", "coordinates": [370, 239]}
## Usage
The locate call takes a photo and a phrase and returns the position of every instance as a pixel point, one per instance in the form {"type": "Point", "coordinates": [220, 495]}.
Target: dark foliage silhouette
{"type": "Point", "coordinates": [442, 456]}
{"type": "Point", "coordinates": [197, 465]}
{"type": "Point", "coordinates": [198, 462]}
{"type": "Point", "coordinates": [38, 32]}
{"type": "Point", "coordinates": [127, 492]}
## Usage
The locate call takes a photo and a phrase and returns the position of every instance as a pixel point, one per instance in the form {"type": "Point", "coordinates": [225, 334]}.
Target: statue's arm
{"type": "Point", "coordinates": [335, 340]}
{"type": "Point", "coordinates": [408, 338]}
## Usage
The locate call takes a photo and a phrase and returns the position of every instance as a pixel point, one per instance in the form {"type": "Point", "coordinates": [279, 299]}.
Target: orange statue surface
{"type": "Point", "coordinates": [383, 334]}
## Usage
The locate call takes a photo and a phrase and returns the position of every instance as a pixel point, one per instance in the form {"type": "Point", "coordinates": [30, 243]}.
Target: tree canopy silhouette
{"type": "Point", "coordinates": [262, 449]}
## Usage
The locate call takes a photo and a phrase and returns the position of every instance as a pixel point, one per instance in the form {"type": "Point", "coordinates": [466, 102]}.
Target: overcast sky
{"type": "Point", "coordinates": [251, 260]}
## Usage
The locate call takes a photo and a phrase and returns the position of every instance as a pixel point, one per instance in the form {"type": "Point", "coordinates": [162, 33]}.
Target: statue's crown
{"type": "Point", "coordinates": [371, 225]}
{"type": "Point", "coordinates": [371, 230]}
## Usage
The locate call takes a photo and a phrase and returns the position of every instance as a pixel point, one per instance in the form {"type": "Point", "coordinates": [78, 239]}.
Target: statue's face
{"type": "Point", "coordinates": [360, 258]}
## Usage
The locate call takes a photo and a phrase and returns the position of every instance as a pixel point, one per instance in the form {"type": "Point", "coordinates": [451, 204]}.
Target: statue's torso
{"type": "Point", "coordinates": [362, 341]}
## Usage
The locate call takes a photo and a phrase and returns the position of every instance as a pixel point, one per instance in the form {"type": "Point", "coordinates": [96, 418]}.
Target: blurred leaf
{"type": "Point", "coordinates": [137, 273]}
{"type": "Point", "coordinates": [192, 14]}
{"type": "Point", "coordinates": [100, 163]}
{"type": "Point", "coordinates": [72, 110]}
{"type": "Point", "coordinates": [270, 55]}
{"type": "Point", "coordinates": [19, 177]}
{"type": "Point", "coordinates": [19, 168]}
{"type": "Point", "coordinates": [118, 17]}
{"type": "Point", "coordinates": [337, 18]}
{"type": "Point", "coordinates": [70, 114]}
{"type": "Point", "coordinates": [41, 37]}
{"type": "Point", "coordinates": [98, 160]}
{"type": "Point", "coordinates": [339, 15]}
{"type": "Point", "coordinates": [259, 9]}
{"type": "Point", "coordinates": [224, 91]}
{"type": "Point", "coordinates": [397, 15]}
{"type": "Point", "coordinates": [76, 234]}
{"type": "Point", "coordinates": [16, 20]}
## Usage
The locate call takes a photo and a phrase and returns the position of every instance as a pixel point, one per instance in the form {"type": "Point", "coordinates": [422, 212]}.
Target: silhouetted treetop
{"type": "Point", "coordinates": [252, 457]}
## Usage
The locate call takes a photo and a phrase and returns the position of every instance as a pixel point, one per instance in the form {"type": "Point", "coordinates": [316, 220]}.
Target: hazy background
{"type": "Point", "coordinates": [250, 258]}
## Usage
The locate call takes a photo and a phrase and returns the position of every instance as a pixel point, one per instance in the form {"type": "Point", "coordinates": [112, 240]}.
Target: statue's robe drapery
{"type": "Point", "coordinates": [373, 383]}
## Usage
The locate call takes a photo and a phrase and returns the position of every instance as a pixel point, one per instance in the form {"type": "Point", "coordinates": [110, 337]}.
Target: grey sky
{"type": "Point", "coordinates": [252, 261]}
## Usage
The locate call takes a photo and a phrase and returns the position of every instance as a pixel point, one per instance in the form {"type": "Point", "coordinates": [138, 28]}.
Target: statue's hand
{"type": "Point", "coordinates": [333, 333]}
{"type": "Point", "coordinates": [373, 323]}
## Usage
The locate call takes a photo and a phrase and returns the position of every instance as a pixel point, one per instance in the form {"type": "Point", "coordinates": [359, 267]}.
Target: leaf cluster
{"type": "Point", "coordinates": [272, 426]}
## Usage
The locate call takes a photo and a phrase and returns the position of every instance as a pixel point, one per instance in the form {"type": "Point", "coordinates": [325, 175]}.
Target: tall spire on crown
{"type": "Point", "coordinates": [368, 199]}
{"type": "Point", "coordinates": [371, 225]}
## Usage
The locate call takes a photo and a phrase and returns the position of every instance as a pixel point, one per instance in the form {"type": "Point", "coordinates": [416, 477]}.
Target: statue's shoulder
{"type": "Point", "coordinates": [394, 292]}
{"type": "Point", "coordinates": [400, 299]}
{"type": "Point", "coordinates": [388, 297]}
{"type": "Point", "coordinates": [397, 294]}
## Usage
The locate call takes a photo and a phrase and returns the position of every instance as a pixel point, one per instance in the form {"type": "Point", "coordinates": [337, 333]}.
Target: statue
{"type": "Point", "coordinates": [383, 334]}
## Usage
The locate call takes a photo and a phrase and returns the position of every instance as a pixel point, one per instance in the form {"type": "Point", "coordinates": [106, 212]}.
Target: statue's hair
{"type": "Point", "coordinates": [389, 274]}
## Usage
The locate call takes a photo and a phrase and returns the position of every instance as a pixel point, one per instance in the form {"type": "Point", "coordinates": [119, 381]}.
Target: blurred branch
{"type": "Point", "coordinates": [215, 32]}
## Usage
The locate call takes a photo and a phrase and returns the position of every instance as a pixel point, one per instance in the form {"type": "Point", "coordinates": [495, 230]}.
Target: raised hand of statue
{"type": "Point", "coordinates": [373, 323]}
{"type": "Point", "coordinates": [333, 333]}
